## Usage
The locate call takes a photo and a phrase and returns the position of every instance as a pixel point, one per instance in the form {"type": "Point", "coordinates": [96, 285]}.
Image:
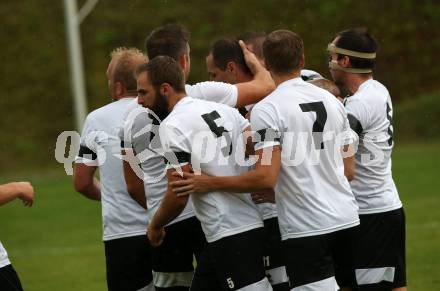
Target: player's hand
{"type": "Point", "coordinates": [190, 184]}
{"type": "Point", "coordinates": [155, 235]}
{"type": "Point", "coordinates": [251, 60]}
{"type": "Point", "coordinates": [263, 197]}
{"type": "Point", "coordinates": [25, 193]}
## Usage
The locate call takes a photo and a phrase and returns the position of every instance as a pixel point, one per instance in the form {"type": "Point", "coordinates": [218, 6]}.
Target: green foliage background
{"type": "Point", "coordinates": [36, 105]}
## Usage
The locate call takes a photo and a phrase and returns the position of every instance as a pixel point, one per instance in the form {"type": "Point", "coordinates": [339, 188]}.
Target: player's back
{"type": "Point", "coordinates": [122, 216]}
{"type": "Point", "coordinates": [370, 108]}
{"type": "Point", "coordinates": [313, 195]}
{"type": "Point", "coordinates": [211, 134]}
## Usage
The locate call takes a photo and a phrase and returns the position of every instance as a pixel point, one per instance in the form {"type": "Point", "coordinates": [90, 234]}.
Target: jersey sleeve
{"type": "Point", "coordinates": [214, 91]}
{"type": "Point", "coordinates": [91, 137]}
{"type": "Point", "coordinates": [349, 136]}
{"type": "Point", "coordinates": [265, 127]}
{"type": "Point", "coordinates": [176, 146]}
{"type": "Point", "coordinates": [243, 122]}
{"type": "Point", "coordinates": [358, 115]}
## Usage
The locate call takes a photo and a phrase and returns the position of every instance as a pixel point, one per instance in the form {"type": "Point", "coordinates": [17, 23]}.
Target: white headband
{"type": "Point", "coordinates": [334, 49]}
{"type": "Point", "coordinates": [333, 65]}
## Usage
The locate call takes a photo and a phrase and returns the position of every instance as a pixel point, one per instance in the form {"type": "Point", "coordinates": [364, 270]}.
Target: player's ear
{"type": "Point", "coordinates": [165, 89]}
{"type": "Point", "coordinates": [345, 62]}
{"type": "Point", "coordinates": [119, 88]}
{"type": "Point", "coordinates": [302, 62]}
{"type": "Point", "coordinates": [183, 61]}
{"type": "Point", "coordinates": [230, 66]}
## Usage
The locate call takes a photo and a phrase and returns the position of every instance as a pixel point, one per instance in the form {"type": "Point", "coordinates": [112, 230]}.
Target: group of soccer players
{"type": "Point", "coordinates": [264, 175]}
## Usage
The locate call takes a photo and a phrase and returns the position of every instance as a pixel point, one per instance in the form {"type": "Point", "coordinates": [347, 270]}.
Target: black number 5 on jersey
{"type": "Point", "coordinates": [219, 131]}
{"type": "Point", "coordinates": [318, 125]}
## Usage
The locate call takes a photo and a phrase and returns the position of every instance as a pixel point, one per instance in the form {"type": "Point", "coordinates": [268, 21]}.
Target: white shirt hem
{"type": "Point", "coordinates": [380, 210]}
{"type": "Point", "coordinates": [230, 232]}
{"type": "Point", "coordinates": [4, 263]}
{"type": "Point", "coordinates": [319, 232]}
{"type": "Point", "coordinates": [123, 235]}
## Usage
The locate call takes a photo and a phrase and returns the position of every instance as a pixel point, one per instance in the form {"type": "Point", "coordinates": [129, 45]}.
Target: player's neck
{"type": "Point", "coordinates": [278, 79]}
{"type": "Point", "coordinates": [356, 80]}
{"type": "Point", "coordinates": [173, 100]}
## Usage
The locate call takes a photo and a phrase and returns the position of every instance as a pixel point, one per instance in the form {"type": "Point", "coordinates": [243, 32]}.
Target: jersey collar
{"type": "Point", "coordinates": [289, 82]}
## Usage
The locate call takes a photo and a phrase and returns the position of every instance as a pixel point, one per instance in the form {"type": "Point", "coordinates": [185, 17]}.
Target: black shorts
{"type": "Point", "coordinates": [128, 263]}
{"type": "Point", "coordinates": [273, 256]}
{"type": "Point", "coordinates": [232, 263]}
{"type": "Point", "coordinates": [173, 259]}
{"type": "Point", "coordinates": [317, 261]}
{"type": "Point", "coordinates": [9, 280]}
{"type": "Point", "coordinates": [380, 259]}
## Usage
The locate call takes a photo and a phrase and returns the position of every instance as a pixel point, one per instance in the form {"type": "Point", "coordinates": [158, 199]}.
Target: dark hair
{"type": "Point", "coordinates": [168, 40]}
{"type": "Point", "coordinates": [359, 40]}
{"type": "Point", "coordinates": [164, 69]}
{"type": "Point", "coordinates": [228, 50]}
{"type": "Point", "coordinates": [282, 51]}
{"type": "Point", "coordinates": [255, 39]}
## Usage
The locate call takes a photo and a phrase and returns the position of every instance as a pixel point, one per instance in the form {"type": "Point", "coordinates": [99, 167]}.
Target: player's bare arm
{"type": "Point", "coordinates": [170, 208]}
{"type": "Point", "coordinates": [135, 185]}
{"type": "Point", "coordinates": [263, 178]}
{"type": "Point", "coordinates": [21, 190]}
{"type": "Point", "coordinates": [86, 183]}
{"type": "Point", "coordinates": [262, 85]}
{"type": "Point", "coordinates": [348, 155]}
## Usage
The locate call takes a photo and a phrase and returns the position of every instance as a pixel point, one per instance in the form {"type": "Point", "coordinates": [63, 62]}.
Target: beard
{"type": "Point", "coordinates": [160, 106]}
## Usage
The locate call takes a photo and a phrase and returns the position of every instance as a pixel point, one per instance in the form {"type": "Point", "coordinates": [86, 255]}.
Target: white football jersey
{"type": "Point", "coordinates": [209, 136]}
{"type": "Point", "coordinates": [4, 260]}
{"type": "Point", "coordinates": [370, 112]}
{"type": "Point", "coordinates": [100, 146]}
{"type": "Point", "coordinates": [313, 196]}
{"type": "Point", "coordinates": [140, 133]}
{"type": "Point", "coordinates": [269, 210]}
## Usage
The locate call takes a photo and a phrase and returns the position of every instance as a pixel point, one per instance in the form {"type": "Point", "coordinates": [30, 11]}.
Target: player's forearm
{"type": "Point", "coordinates": [251, 181]}
{"type": "Point", "coordinates": [135, 185]}
{"type": "Point", "coordinates": [169, 209]}
{"type": "Point", "coordinates": [91, 190]}
{"type": "Point", "coordinates": [8, 192]}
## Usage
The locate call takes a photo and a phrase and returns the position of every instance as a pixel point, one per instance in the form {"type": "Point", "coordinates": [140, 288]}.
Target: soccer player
{"type": "Point", "coordinates": [226, 63]}
{"type": "Point", "coordinates": [9, 280]}
{"type": "Point", "coordinates": [381, 251]}
{"type": "Point", "coordinates": [302, 130]}
{"type": "Point", "coordinates": [172, 40]}
{"type": "Point", "coordinates": [205, 136]}
{"type": "Point", "coordinates": [128, 258]}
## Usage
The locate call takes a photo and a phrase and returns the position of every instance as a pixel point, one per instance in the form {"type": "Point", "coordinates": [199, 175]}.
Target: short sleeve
{"type": "Point", "coordinates": [349, 136]}
{"type": "Point", "coordinates": [358, 115]}
{"type": "Point", "coordinates": [90, 139]}
{"type": "Point", "coordinates": [243, 122]}
{"type": "Point", "coordinates": [215, 92]}
{"type": "Point", "coordinates": [265, 127]}
{"type": "Point", "coordinates": [175, 145]}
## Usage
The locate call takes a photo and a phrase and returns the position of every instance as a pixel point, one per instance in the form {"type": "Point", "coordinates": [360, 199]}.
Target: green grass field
{"type": "Point", "coordinates": [57, 245]}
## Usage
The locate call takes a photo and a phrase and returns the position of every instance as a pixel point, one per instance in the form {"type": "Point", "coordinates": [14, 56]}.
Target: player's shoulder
{"type": "Point", "coordinates": [369, 92]}
{"type": "Point", "coordinates": [109, 110]}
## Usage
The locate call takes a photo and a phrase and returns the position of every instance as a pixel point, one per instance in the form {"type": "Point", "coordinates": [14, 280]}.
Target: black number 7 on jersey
{"type": "Point", "coordinates": [318, 125]}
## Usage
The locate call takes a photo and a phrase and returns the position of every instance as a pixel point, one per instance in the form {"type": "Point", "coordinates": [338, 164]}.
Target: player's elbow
{"type": "Point", "coordinates": [267, 182]}
{"type": "Point", "coordinates": [81, 185]}
{"type": "Point", "coordinates": [349, 174]}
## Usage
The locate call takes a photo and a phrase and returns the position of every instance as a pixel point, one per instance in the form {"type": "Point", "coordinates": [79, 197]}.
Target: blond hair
{"type": "Point", "coordinates": [126, 61]}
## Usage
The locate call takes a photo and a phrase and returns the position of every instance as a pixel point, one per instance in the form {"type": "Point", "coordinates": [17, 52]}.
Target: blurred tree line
{"type": "Point", "coordinates": [36, 103]}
